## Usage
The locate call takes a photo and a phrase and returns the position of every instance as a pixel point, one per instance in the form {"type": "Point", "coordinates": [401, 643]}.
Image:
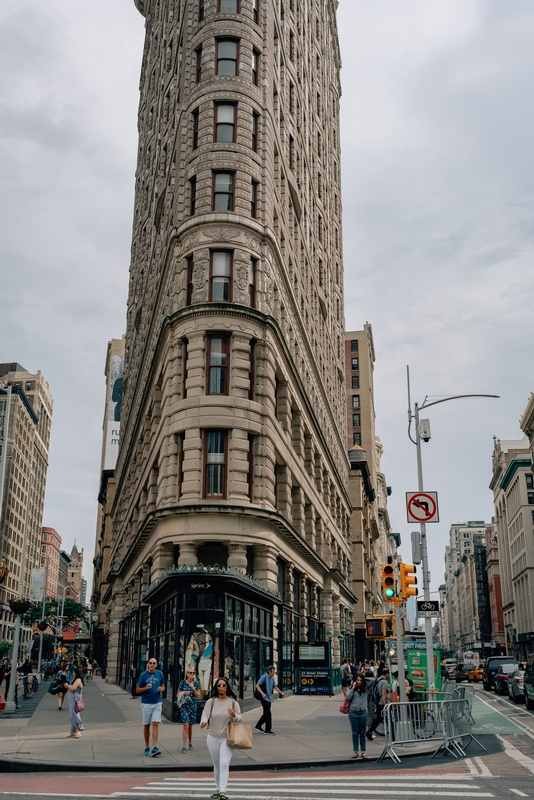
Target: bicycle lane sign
{"type": "Point", "coordinates": [422, 506]}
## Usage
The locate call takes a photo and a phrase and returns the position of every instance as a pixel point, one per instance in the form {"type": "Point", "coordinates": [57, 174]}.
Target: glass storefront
{"type": "Point", "coordinates": [216, 625]}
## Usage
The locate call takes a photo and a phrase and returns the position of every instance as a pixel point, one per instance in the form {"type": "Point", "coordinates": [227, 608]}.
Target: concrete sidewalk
{"type": "Point", "coordinates": [310, 730]}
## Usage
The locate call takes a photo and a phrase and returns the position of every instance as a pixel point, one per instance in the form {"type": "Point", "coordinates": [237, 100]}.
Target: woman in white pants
{"type": "Point", "coordinates": [221, 705]}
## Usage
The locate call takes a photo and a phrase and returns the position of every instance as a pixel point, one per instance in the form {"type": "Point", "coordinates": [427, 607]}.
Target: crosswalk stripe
{"type": "Point", "coordinates": [287, 791]}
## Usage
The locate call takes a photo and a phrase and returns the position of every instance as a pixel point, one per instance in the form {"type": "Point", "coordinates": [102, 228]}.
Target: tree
{"type": "Point", "coordinates": [72, 612]}
{"type": "Point", "coordinates": [5, 649]}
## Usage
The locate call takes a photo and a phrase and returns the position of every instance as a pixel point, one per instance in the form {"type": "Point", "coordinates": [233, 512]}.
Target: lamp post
{"type": "Point", "coordinates": [330, 636]}
{"type": "Point", "coordinates": [424, 552]}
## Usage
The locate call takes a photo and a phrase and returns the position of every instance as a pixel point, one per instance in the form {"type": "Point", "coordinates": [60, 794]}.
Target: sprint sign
{"type": "Point", "coordinates": [422, 506]}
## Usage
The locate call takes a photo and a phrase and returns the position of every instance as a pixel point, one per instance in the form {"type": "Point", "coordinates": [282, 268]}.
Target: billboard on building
{"type": "Point", "coordinates": [113, 415]}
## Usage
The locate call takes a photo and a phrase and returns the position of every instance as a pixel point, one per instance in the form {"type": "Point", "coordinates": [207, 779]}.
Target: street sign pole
{"type": "Point", "coordinates": [424, 557]}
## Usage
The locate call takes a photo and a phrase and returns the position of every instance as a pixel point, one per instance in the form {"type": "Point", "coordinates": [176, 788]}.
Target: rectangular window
{"type": "Point", "coordinates": [250, 467]}
{"type": "Point", "coordinates": [200, 10]}
{"type": "Point", "coordinates": [356, 439]}
{"type": "Point", "coordinates": [291, 153]}
{"type": "Point", "coordinates": [228, 7]}
{"type": "Point", "coordinates": [253, 199]}
{"type": "Point", "coordinates": [251, 372]}
{"type": "Point", "coordinates": [529, 477]}
{"type": "Point", "coordinates": [215, 455]}
{"type": "Point", "coordinates": [223, 191]}
{"type": "Point", "coordinates": [252, 268]}
{"type": "Point", "coordinates": [195, 128]}
{"type": "Point", "coordinates": [221, 276]}
{"type": "Point", "coordinates": [225, 114]}
{"type": "Point", "coordinates": [354, 363]}
{"type": "Point", "coordinates": [530, 496]}
{"type": "Point", "coordinates": [355, 382]}
{"type": "Point", "coordinates": [190, 286]}
{"type": "Point", "coordinates": [227, 57]}
{"type": "Point", "coordinates": [355, 420]}
{"type": "Point", "coordinates": [255, 120]}
{"type": "Point", "coordinates": [255, 11]}
{"type": "Point", "coordinates": [355, 400]}
{"type": "Point", "coordinates": [192, 196]}
{"type": "Point", "coordinates": [181, 447]}
{"type": "Point", "coordinates": [217, 364]}
{"type": "Point", "coordinates": [255, 67]}
{"type": "Point", "coordinates": [198, 67]}
{"type": "Point", "coordinates": [184, 368]}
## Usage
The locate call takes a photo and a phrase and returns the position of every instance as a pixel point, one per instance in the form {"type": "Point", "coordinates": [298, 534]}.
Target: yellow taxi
{"type": "Point", "coordinates": [475, 675]}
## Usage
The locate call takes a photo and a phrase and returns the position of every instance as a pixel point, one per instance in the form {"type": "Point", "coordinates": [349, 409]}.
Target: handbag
{"type": "Point", "coordinates": [238, 736]}
{"type": "Point", "coordinates": [257, 694]}
{"type": "Point", "coordinates": [345, 706]}
{"type": "Point", "coordinates": [181, 699]}
{"type": "Point", "coordinates": [79, 705]}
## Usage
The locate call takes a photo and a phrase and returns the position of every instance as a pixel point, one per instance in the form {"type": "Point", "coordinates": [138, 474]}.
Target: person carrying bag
{"type": "Point", "coordinates": [221, 705]}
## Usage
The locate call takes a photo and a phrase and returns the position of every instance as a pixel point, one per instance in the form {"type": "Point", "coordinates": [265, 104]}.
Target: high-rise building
{"type": "Point", "coordinates": [512, 484]}
{"type": "Point", "coordinates": [233, 429]}
{"type": "Point", "coordinates": [25, 446]}
{"type": "Point", "coordinates": [74, 583]}
{"type": "Point", "coordinates": [50, 556]}
{"type": "Point", "coordinates": [372, 538]}
{"type": "Point", "coordinates": [100, 597]}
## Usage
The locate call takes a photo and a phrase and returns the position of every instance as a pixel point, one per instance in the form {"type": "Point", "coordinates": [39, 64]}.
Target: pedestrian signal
{"type": "Point", "coordinates": [374, 628]}
{"type": "Point", "coordinates": [388, 582]}
{"type": "Point", "coordinates": [408, 581]}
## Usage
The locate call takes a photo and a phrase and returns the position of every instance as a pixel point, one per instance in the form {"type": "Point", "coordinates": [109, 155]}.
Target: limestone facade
{"type": "Point", "coordinates": [372, 538]}
{"type": "Point", "coordinates": [21, 517]}
{"type": "Point", "coordinates": [233, 426]}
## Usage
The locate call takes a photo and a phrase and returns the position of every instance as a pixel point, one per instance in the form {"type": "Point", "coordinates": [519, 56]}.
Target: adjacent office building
{"type": "Point", "coordinates": [25, 439]}
{"type": "Point", "coordinates": [50, 557]}
{"type": "Point", "coordinates": [231, 520]}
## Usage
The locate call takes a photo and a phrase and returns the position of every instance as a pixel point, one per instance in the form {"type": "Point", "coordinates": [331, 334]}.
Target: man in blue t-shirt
{"type": "Point", "coordinates": [151, 686]}
{"type": "Point", "coordinates": [264, 691]}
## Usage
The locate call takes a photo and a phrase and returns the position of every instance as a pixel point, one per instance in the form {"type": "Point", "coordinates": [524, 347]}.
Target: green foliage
{"type": "Point", "coordinates": [72, 612]}
{"type": "Point", "coordinates": [5, 649]}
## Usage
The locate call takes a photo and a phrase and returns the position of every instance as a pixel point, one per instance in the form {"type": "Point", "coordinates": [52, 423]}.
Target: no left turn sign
{"type": "Point", "coordinates": [422, 506]}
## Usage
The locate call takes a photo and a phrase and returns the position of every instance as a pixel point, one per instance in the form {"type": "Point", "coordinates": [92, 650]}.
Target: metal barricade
{"type": "Point", "coordinates": [457, 717]}
{"type": "Point", "coordinates": [465, 693]}
{"type": "Point", "coordinates": [413, 723]}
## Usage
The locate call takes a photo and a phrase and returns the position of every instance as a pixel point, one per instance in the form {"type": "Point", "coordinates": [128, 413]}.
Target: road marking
{"type": "Point", "coordinates": [516, 754]}
{"type": "Point", "coordinates": [519, 724]}
{"type": "Point", "coordinates": [484, 770]}
{"type": "Point", "coordinates": [516, 791]}
{"type": "Point", "coordinates": [471, 767]}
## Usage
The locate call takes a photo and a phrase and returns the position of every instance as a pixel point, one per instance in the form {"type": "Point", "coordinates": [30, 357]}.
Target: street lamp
{"type": "Point", "coordinates": [424, 552]}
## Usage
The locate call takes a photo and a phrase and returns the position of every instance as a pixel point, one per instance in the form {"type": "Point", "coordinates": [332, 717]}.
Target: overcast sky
{"type": "Point", "coordinates": [437, 135]}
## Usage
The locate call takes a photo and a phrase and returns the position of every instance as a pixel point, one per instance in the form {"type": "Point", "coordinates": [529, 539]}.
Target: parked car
{"type": "Point", "coordinates": [448, 671]}
{"type": "Point", "coordinates": [492, 665]}
{"type": "Point", "coordinates": [528, 681]}
{"type": "Point", "coordinates": [462, 671]}
{"type": "Point", "coordinates": [502, 676]}
{"type": "Point", "coordinates": [516, 686]}
{"type": "Point", "coordinates": [475, 674]}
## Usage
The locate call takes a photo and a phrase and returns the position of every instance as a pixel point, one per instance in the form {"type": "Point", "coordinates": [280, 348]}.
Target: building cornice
{"type": "Point", "coordinates": [514, 465]}
{"type": "Point", "coordinates": [526, 423]}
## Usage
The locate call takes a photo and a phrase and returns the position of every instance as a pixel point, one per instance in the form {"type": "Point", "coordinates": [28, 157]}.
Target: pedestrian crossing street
{"type": "Point", "coordinates": [334, 787]}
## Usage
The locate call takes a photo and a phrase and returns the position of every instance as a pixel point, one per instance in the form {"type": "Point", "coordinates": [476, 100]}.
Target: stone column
{"type": "Point", "coordinates": [289, 598]}
{"type": "Point", "coordinates": [297, 509]}
{"type": "Point", "coordinates": [265, 565]}
{"type": "Point", "coordinates": [237, 556]}
{"type": "Point", "coordinates": [188, 554]}
{"type": "Point", "coordinates": [303, 608]}
{"type": "Point", "coordinates": [116, 615]}
{"type": "Point", "coordinates": [337, 630]}
{"type": "Point", "coordinates": [162, 559]}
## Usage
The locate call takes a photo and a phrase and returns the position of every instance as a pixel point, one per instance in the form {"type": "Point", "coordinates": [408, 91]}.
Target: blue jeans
{"type": "Point", "coordinates": [358, 724]}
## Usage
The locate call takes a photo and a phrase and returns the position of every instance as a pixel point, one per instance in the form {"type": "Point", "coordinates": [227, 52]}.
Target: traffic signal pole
{"type": "Point", "coordinates": [431, 677]}
{"type": "Point", "coordinates": [400, 653]}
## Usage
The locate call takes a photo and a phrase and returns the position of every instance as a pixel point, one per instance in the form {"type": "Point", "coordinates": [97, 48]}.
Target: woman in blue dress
{"type": "Point", "coordinates": [188, 690]}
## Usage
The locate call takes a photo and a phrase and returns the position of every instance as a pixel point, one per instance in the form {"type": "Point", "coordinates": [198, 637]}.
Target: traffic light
{"type": "Point", "coordinates": [388, 582]}
{"type": "Point", "coordinates": [374, 628]}
{"type": "Point", "coordinates": [408, 580]}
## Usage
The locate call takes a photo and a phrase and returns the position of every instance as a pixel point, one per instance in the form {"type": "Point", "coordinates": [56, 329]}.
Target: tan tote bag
{"type": "Point", "coordinates": [239, 735]}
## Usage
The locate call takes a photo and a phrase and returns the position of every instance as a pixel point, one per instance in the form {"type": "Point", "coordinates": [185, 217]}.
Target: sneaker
{"type": "Point", "coordinates": [215, 796]}
{"type": "Point", "coordinates": [270, 733]}
{"type": "Point", "coordinates": [369, 736]}
{"type": "Point", "coordinates": [155, 751]}
{"type": "Point", "coordinates": [184, 750]}
{"type": "Point", "coordinates": [259, 728]}
{"type": "Point", "coordinates": [190, 746]}
{"type": "Point", "coordinates": [146, 751]}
